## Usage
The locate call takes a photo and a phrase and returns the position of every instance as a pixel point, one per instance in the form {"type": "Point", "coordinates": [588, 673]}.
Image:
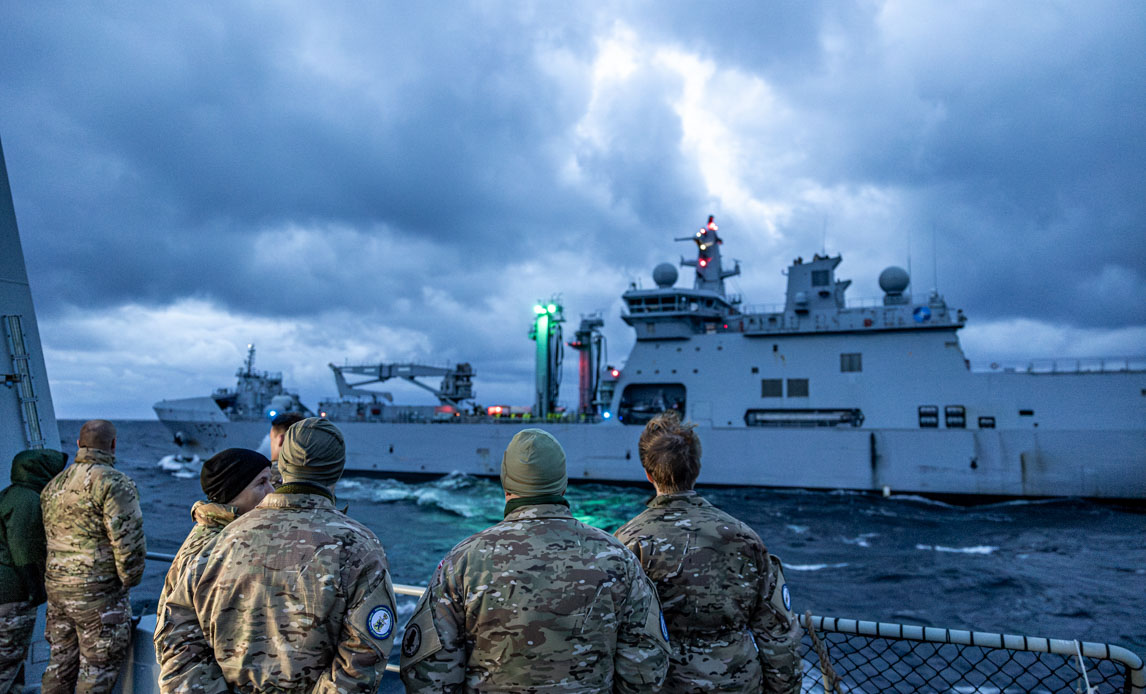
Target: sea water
{"type": "Point", "coordinates": [1068, 568]}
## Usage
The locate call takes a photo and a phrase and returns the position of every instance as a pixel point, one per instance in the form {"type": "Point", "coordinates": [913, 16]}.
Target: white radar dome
{"type": "Point", "coordinates": [665, 275]}
{"type": "Point", "coordinates": [894, 280]}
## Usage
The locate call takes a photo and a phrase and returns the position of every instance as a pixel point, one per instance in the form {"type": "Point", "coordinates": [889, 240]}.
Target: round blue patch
{"type": "Point", "coordinates": [664, 627]}
{"type": "Point", "coordinates": [380, 622]}
{"type": "Point", "coordinates": [787, 597]}
{"type": "Point", "coordinates": [922, 314]}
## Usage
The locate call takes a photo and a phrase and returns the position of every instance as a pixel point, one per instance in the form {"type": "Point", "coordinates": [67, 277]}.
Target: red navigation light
{"type": "Point", "coordinates": [615, 373]}
{"type": "Point", "coordinates": [726, 326]}
{"type": "Point", "coordinates": [711, 226]}
{"type": "Point", "coordinates": [704, 262]}
{"type": "Point", "coordinates": [494, 409]}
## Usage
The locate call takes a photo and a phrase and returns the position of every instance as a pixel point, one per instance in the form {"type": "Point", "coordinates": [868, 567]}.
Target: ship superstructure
{"type": "Point", "coordinates": [258, 396]}
{"type": "Point", "coordinates": [817, 393]}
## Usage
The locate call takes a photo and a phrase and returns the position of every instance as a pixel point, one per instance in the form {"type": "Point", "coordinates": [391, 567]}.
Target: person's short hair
{"type": "Point", "coordinates": [283, 421]}
{"type": "Point", "coordinates": [97, 433]}
{"type": "Point", "coordinates": [670, 452]}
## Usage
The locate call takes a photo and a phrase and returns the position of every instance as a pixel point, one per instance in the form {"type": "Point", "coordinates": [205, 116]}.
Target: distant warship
{"type": "Point", "coordinates": [819, 393]}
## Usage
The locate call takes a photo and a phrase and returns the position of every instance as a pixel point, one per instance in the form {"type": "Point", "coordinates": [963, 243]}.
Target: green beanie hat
{"type": "Point", "coordinates": [533, 465]}
{"type": "Point", "coordinates": [313, 451]}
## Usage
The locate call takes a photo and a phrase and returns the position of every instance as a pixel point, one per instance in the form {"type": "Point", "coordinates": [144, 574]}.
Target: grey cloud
{"type": "Point", "coordinates": [410, 156]}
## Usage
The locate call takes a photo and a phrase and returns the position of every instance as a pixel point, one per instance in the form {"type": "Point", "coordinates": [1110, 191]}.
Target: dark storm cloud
{"type": "Point", "coordinates": [172, 139]}
{"type": "Point", "coordinates": [1019, 142]}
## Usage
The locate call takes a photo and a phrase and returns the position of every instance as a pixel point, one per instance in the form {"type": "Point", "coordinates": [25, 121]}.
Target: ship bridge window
{"type": "Point", "coordinates": [986, 422]}
{"type": "Point", "coordinates": [797, 387]}
{"type": "Point", "coordinates": [640, 402]}
{"type": "Point", "coordinates": [772, 388]}
{"type": "Point", "coordinates": [820, 278]}
{"type": "Point", "coordinates": [928, 417]}
{"type": "Point", "coordinates": [956, 416]}
{"type": "Point", "coordinates": [851, 362]}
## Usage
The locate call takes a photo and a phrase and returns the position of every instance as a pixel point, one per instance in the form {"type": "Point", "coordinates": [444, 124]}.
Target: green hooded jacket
{"type": "Point", "coordinates": [23, 547]}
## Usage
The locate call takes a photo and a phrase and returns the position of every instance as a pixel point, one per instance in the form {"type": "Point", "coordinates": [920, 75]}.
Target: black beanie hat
{"type": "Point", "coordinates": [225, 475]}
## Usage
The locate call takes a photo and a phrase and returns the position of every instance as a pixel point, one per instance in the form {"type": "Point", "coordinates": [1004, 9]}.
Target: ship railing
{"type": "Point", "coordinates": [849, 655]}
{"type": "Point", "coordinates": [1078, 365]}
{"type": "Point", "coordinates": [884, 657]}
{"type": "Point", "coordinates": [859, 302]}
{"type": "Point", "coordinates": [757, 309]}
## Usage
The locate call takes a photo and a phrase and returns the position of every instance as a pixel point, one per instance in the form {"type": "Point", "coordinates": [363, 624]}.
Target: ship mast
{"type": "Point", "coordinates": [710, 273]}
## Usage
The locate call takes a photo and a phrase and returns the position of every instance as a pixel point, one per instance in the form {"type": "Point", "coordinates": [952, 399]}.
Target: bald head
{"type": "Point", "coordinates": [97, 433]}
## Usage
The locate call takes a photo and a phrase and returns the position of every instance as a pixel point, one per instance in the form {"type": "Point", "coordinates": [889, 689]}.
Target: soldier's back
{"type": "Point", "coordinates": [80, 551]}
{"type": "Point", "coordinates": [710, 571]}
{"type": "Point", "coordinates": [274, 592]}
{"type": "Point", "coordinates": [543, 596]}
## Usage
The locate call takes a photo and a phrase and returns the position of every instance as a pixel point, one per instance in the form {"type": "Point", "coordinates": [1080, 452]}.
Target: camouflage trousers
{"type": "Point", "coordinates": [89, 637]}
{"type": "Point", "coordinates": [16, 622]}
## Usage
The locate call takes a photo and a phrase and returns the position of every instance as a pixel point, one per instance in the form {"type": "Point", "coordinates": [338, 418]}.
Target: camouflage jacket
{"type": "Point", "coordinates": [538, 602]}
{"type": "Point", "coordinates": [210, 519]}
{"type": "Point", "coordinates": [94, 527]}
{"type": "Point", "coordinates": [293, 597]}
{"type": "Point", "coordinates": [725, 601]}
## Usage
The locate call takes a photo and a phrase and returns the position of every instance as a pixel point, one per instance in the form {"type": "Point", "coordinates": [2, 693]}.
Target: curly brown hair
{"type": "Point", "coordinates": [670, 452]}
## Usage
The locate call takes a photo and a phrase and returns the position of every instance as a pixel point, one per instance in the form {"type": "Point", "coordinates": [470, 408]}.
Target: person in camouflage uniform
{"type": "Point", "coordinates": [726, 603]}
{"type": "Point", "coordinates": [96, 552]}
{"type": "Point", "coordinates": [279, 426]}
{"type": "Point", "coordinates": [235, 481]}
{"type": "Point", "coordinates": [294, 596]}
{"type": "Point", "coordinates": [539, 601]}
{"type": "Point", "coordinates": [23, 550]}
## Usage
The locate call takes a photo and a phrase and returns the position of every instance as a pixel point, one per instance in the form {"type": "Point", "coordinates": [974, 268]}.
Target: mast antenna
{"type": "Point", "coordinates": [909, 275]}
{"type": "Point", "coordinates": [934, 259]}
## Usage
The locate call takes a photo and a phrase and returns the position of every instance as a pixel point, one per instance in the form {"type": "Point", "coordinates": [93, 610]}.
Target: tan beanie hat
{"type": "Point", "coordinates": [313, 451]}
{"type": "Point", "coordinates": [533, 465]}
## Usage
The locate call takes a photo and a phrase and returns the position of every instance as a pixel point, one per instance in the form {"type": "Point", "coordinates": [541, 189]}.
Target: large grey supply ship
{"type": "Point", "coordinates": [819, 394]}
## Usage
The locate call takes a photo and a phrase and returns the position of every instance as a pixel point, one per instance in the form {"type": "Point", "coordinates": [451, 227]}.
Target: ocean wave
{"type": "Point", "coordinates": [180, 466]}
{"type": "Point", "coordinates": [798, 529]}
{"type": "Point", "coordinates": [814, 567]}
{"type": "Point", "coordinates": [861, 541]}
{"type": "Point", "coordinates": [917, 499]}
{"type": "Point", "coordinates": [977, 549]}
{"type": "Point", "coordinates": [455, 493]}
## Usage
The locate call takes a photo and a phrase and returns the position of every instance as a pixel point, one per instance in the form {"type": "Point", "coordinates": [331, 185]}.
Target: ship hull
{"type": "Point", "coordinates": [1108, 464]}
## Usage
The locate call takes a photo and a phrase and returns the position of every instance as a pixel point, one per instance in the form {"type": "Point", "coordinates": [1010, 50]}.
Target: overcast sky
{"type": "Point", "coordinates": [402, 181]}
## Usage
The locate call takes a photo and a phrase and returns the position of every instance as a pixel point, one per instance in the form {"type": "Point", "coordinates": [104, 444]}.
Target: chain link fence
{"type": "Point", "coordinates": [850, 656]}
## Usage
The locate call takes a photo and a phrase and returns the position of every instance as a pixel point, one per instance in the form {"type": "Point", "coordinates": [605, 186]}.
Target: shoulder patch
{"type": "Point", "coordinates": [780, 598]}
{"type": "Point", "coordinates": [373, 617]}
{"type": "Point", "coordinates": [412, 641]}
{"type": "Point", "coordinates": [380, 623]}
{"type": "Point", "coordinates": [421, 639]}
{"type": "Point", "coordinates": [655, 624]}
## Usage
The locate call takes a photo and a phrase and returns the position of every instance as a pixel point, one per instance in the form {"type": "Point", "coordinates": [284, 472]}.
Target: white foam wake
{"type": "Point", "coordinates": [977, 549]}
{"type": "Point", "coordinates": [813, 567]}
